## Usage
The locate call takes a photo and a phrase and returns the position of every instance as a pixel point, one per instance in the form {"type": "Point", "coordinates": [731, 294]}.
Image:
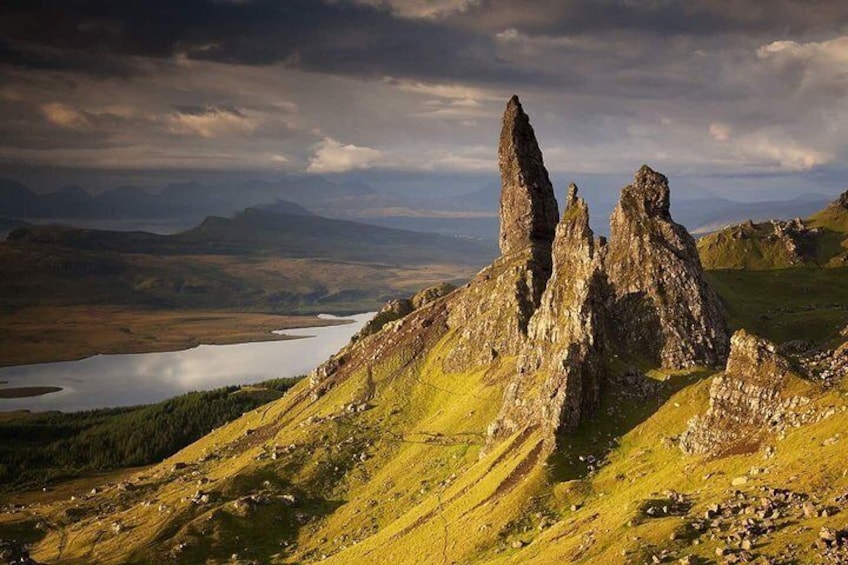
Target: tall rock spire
{"type": "Point", "coordinates": [528, 207]}
{"type": "Point", "coordinates": [492, 315]}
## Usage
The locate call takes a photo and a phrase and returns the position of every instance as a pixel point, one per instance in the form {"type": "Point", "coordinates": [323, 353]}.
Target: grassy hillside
{"type": "Point", "coordinates": [803, 303]}
{"type": "Point", "coordinates": [820, 240]}
{"type": "Point", "coordinates": [420, 495]}
{"type": "Point", "coordinates": [387, 467]}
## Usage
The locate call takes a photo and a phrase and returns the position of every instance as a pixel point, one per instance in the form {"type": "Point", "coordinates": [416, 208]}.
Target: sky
{"type": "Point", "coordinates": [737, 97]}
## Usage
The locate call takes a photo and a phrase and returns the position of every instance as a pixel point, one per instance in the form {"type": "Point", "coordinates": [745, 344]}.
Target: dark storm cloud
{"type": "Point", "coordinates": [733, 86]}
{"type": "Point", "coordinates": [356, 38]}
{"type": "Point", "coordinates": [40, 57]}
{"type": "Point", "coordinates": [658, 17]}
{"type": "Point", "coordinates": [337, 37]}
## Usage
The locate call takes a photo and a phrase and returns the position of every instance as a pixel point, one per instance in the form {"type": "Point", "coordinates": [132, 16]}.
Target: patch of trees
{"type": "Point", "coordinates": [38, 448]}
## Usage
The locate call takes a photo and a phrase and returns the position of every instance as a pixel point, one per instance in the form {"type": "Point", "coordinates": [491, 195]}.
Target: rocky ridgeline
{"type": "Point", "coordinates": [747, 401]}
{"type": "Point", "coordinates": [562, 301]}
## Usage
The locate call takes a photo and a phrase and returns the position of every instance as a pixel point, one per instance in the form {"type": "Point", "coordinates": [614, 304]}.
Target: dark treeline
{"type": "Point", "coordinates": [36, 449]}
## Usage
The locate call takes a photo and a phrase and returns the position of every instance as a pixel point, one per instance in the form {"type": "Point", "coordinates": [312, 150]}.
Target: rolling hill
{"type": "Point", "coordinates": [259, 259]}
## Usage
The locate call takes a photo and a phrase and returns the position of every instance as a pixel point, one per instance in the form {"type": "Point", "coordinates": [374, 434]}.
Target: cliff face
{"type": "Point", "coordinates": [492, 313]}
{"type": "Point", "coordinates": [663, 306]}
{"type": "Point", "coordinates": [528, 208]}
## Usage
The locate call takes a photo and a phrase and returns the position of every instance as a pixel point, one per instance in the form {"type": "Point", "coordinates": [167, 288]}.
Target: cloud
{"type": "Point", "coordinates": [65, 116]}
{"type": "Point", "coordinates": [334, 157]}
{"type": "Point", "coordinates": [212, 122]}
{"type": "Point", "coordinates": [770, 148]}
{"type": "Point", "coordinates": [831, 51]}
{"type": "Point", "coordinates": [421, 8]}
{"type": "Point", "coordinates": [720, 132]}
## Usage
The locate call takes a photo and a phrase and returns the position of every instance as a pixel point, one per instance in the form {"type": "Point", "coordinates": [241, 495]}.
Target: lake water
{"type": "Point", "coordinates": [125, 380]}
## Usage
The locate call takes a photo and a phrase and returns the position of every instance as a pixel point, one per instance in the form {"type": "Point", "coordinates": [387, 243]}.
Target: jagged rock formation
{"type": "Point", "coordinates": [493, 311]}
{"type": "Point", "coordinates": [798, 240]}
{"type": "Point", "coordinates": [549, 299]}
{"type": "Point", "coordinates": [642, 296]}
{"type": "Point", "coordinates": [748, 400]}
{"type": "Point", "coordinates": [560, 366]}
{"type": "Point", "coordinates": [663, 306]}
{"type": "Point", "coordinates": [528, 208]}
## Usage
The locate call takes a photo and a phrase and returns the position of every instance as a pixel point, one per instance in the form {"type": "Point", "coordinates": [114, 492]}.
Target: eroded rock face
{"type": "Point", "coordinates": [399, 308]}
{"type": "Point", "coordinates": [560, 366]}
{"type": "Point", "coordinates": [748, 400]}
{"type": "Point", "coordinates": [528, 208]}
{"type": "Point", "coordinates": [663, 306]}
{"type": "Point", "coordinates": [798, 240]}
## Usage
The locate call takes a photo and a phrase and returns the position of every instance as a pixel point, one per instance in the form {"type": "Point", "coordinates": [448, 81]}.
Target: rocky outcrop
{"type": "Point", "coordinates": [797, 239]}
{"type": "Point", "coordinates": [399, 308]}
{"type": "Point", "coordinates": [842, 200]}
{"type": "Point", "coordinates": [491, 314]}
{"type": "Point", "coordinates": [663, 306]}
{"type": "Point", "coordinates": [748, 400]}
{"type": "Point", "coordinates": [560, 366]}
{"type": "Point", "coordinates": [528, 208]}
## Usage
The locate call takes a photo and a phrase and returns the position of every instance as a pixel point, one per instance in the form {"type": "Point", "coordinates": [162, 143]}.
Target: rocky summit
{"type": "Point", "coordinates": [528, 208]}
{"type": "Point", "coordinates": [663, 305]}
{"type": "Point", "coordinates": [577, 401]}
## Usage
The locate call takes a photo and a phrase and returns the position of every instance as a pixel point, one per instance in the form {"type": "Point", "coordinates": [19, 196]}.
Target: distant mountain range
{"type": "Point", "coordinates": [179, 200]}
{"type": "Point", "coordinates": [469, 214]}
{"type": "Point", "coordinates": [275, 258]}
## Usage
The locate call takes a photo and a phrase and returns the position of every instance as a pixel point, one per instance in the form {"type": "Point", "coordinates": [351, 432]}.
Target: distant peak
{"type": "Point", "coordinates": [842, 200]}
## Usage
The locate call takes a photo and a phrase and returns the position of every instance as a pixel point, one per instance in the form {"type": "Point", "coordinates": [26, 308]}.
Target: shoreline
{"type": "Point", "coordinates": [33, 337]}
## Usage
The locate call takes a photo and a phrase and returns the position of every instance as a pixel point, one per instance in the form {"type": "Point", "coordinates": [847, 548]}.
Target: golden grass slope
{"type": "Point", "coordinates": [402, 481]}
